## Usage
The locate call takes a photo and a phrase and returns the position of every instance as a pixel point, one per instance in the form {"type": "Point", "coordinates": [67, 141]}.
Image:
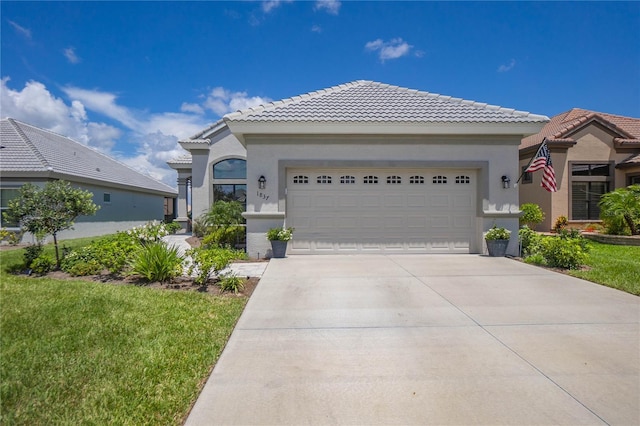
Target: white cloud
{"type": "Point", "coordinates": [507, 67]}
{"type": "Point", "coordinates": [222, 101]}
{"type": "Point", "coordinates": [316, 29]}
{"type": "Point", "coordinates": [269, 5]}
{"type": "Point", "coordinates": [21, 30]}
{"type": "Point", "coordinates": [392, 49]}
{"type": "Point", "coordinates": [70, 54]}
{"type": "Point", "coordinates": [189, 107]}
{"type": "Point", "coordinates": [330, 6]}
{"type": "Point", "coordinates": [105, 104]}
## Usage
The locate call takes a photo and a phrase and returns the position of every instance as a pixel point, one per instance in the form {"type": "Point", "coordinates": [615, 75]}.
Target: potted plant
{"type": "Point", "coordinates": [497, 241]}
{"type": "Point", "coordinates": [279, 238]}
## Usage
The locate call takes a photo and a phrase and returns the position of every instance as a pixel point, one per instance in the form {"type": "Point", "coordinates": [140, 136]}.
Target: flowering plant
{"type": "Point", "coordinates": [496, 233]}
{"type": "Point", "coordinates": [151, 232]}
{"type": "Point", "coordinates": [280, 234]}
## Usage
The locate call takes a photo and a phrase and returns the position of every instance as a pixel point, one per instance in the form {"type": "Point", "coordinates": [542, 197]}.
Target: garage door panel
{"type": "Point", "coordinates": [406, 213]}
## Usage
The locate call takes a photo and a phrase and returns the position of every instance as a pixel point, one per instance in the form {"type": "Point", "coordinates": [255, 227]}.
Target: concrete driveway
{"type": "Point", "coordinates": [426, 339]}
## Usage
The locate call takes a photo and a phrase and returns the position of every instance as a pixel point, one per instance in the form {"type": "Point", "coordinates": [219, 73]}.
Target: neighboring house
{"type": "Point", "coordinates": [126, 198]}
{"type": "Point", "coordinates": [363, 167]}
{"type": "Point", "coordinates": [592, 153]}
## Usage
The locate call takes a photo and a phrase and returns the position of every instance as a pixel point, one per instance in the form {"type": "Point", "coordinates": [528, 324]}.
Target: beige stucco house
{"type": "Point", "coordinates": [592, 153]}
{"type": "Point", "coordinates": [363, 167]}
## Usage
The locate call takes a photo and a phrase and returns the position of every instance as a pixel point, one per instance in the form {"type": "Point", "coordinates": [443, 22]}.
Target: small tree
{"type": "Point", "coordinates": [49, 210]}
{"type": "Point", "coordinates": [224, 223]}
{"type": "Point", "coordinates": [622, 204]}
{"type": "Point", "coordinates": [532, 215]}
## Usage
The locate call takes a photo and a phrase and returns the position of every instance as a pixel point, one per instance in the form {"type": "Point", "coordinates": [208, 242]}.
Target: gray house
{"type": "Point", "coordinates": [363, 167]}
{"type": "Point", "coordinates": [126, 198]}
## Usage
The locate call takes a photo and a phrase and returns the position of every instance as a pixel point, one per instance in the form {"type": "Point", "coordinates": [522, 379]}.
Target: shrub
{"type": "Point", "coordinates": [614, 225]}
{"type": "Point", "coordinates": [231, 282]}
{"type": "Point", "coordinates": [11, 237]}
{"type": "Point", "coordinates": [172, 227]}
{"type": "Point", "coordinates": [207, 262]}
{"type": "Point", "coordinates": [529, 241]}
{"type": "Point", "coordinates": [623, 205]}
{"type": "Point", "coordinates": [151, 232]}
{"type": "Point", "coordinates": [535, 259]}
{"type": "Point", "coordinates": [31, 253]}
{"type": "Point", "coordinates": [82, 255]}
{"type": "Point", "coordinates": [114, 251]}
{"type": "Point", "coordinates": [224, 236]}
{"type": "Point", "coordinates": [84, 268]}
{"type": "Point", "coordinates": [532, 215]}
{"type": "Point", "coordinates": [561, 223]}
{"type": "Point", "coordinates": [156, 261]}
{"type": "Point", "coordinates": [42, 264]}
{"type": "Point", "coordinates": [198, 228]}
{"type": "Point", "coordinates": [564, 252]}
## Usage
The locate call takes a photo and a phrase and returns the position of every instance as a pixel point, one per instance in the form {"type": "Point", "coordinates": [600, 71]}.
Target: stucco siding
{"type": "Point", "coordinates": [270, 156]}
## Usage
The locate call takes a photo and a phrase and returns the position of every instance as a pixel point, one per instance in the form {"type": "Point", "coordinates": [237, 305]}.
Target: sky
{"type": "Point", "coordinates": [132, 78]}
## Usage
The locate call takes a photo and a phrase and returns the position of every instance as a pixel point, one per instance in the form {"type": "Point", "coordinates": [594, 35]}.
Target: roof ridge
{"type": "Point", "coordinates": [14, 123]}
{"type": "Point", "coordinates": [587, 118]}
{"type": "Point", "coordinates": [94, 150]}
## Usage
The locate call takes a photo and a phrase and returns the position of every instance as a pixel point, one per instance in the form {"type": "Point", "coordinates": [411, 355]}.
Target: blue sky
{"type": "Point", "coordinates": [132, 78]}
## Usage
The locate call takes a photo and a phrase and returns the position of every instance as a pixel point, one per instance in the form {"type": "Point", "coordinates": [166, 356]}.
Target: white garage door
{"type": "Point", "coordinates": [381, 210]}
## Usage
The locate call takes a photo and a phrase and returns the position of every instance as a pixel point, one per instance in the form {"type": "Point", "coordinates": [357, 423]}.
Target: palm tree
{"type": "Point", "coordinates": [623, 203]}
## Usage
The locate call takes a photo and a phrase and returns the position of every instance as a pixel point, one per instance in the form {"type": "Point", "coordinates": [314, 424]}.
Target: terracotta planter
{"type": "Point", "coordinates": [497, 248]}
{"type": "Point", "coordinates": [278, 249]}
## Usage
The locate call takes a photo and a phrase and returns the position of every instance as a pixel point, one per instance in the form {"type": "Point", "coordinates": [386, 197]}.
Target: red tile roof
{"type": "Point", "coordinates": [560, 128]}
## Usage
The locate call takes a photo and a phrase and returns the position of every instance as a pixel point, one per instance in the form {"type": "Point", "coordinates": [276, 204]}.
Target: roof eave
{"type": "Point", "coordinates": [521, 129]}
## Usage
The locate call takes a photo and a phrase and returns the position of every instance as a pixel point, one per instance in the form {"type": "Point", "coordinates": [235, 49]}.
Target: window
{"type": "Point", "coordinates": [527, 177]}
{"type": "Point", "coordinates": [324, 179]}
{"type": "Point", "coordinates": [394, 180]}
{"type": "Point", "coordinates": [230, 181]}
{"type": "Point", "coordinates": [588, 183]}
{"type": "Point", "coordinates": [370, 179]}
{"type": "Point", "coordinates": [6, 195]}
{"type": "Point", "coordinates": [463, 179]}
{"type": "Point", "coordinates": [301, 179]}
{"type": "Point", "coordinates": [416, 180]}
{"type": "Point", "coordinates": [347, 179]}
{"type": "Point", "coordinates": [106, 198]}
{"type": "Point", "coordinates": [633, 180]}
{"type": "Point", "coordinates": [439, 179]}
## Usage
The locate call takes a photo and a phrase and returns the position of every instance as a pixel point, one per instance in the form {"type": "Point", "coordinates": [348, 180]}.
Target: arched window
{"type": "Point", "coordinates": [230, 181]}
{"type": "Point", "coordinates": [439, 179]}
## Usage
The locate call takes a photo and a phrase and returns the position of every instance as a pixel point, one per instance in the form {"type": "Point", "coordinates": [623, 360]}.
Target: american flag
{"type": "Point", "coordinates": [542, 160]}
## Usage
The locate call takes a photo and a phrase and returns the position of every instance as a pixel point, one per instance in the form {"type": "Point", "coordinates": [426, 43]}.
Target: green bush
{"type": "Point", "coordinates": [536, 259]}
{"type": "Point", "coordinates": [562, 252]}
{"type": "Point", "coordinates": [198, 228]}
{"type": "Point", "coordinates": [224, 236]}
{"type": "Point", "coordinates": [114, 251]}
{"type": "Point", "coordinates": [207, 262]}
{"type": "Point", "coordinates": [157, 262]}
{"type": "Point", "coordinates": [173, 227]}
{"type": "Point", "coordinates": [615, 225]}
{"type": "Point", "coordinates": [42, 264]}
{"type": "Point", "coordinates": [529, 240]}
{"type": "Point", "coordinates": [84, 268]}
{"type": "Point", "coordinates": [151, 232]}
{"type": "Point", "coordinates": [231, 282]}
{"type": "Point", "coordinates": [31, 253]}
{"type": "Point", "coordinates": [532, 215]}
{"type": "Point", "coordinates": [561, 223]}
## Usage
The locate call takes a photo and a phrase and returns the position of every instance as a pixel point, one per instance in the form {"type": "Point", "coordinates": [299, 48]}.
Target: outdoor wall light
{"type": "Point", "coordinates": [506, 182]}
{"type": "Point", "coordinates": [261, 182]}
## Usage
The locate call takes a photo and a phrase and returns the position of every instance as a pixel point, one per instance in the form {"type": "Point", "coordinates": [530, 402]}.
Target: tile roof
{"type": "Point", "coordinates": [365, 101]}
{"type": "Point", "coordinates": [28, 149]}
{"type": "Point", "coordinates": [632, 161]}
{"type": "Point", "coordinates": [183, 159]}
{"type": "Point", "coordinates": [561, 126]}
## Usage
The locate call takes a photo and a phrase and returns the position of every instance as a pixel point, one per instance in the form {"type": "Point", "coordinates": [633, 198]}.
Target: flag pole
{"type": "Point", "coordinates": [544, 141]}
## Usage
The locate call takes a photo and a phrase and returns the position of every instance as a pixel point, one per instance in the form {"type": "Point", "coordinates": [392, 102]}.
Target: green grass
{"type": "Point", "coordinates": [76, 352]}
{"type": "Point", "coordinates": [614, 266]}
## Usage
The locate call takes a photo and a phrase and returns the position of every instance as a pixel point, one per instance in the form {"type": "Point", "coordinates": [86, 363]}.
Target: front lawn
{"type": "Point", "coordinates": [614, 266]}
{"type": "Point", "coordinates": [80, 352]}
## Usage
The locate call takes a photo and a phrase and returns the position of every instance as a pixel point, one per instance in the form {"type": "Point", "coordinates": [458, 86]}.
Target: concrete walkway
{"type": "Point", "coordinates": [426, 339]}
{"type": "Point", "coordinates": [241, 269]}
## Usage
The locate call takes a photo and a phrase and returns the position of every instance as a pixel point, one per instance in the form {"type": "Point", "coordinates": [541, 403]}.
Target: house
{"type": "Point", "coordinates": [126, 197]}
{"type": "Point", "coordinates": [592, 153]}
{"type": "Point", "coordinates": [363, 167]}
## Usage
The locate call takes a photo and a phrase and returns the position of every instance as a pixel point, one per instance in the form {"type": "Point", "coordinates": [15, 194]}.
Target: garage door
{"type": "Point", "coordinates": [381, 210]}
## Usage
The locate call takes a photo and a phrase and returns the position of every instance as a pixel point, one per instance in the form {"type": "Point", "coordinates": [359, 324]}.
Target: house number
{"type": "Point", "coordinates": [262, 195]}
